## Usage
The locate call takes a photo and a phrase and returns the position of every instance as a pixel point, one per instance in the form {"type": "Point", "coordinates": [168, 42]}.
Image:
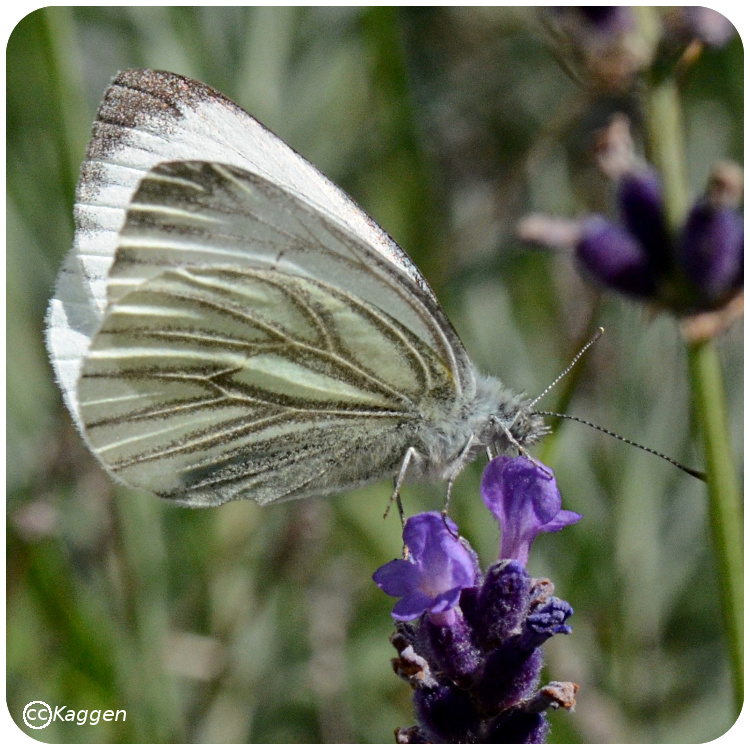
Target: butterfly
{"type": "Point", "coordinates": [230, 324]}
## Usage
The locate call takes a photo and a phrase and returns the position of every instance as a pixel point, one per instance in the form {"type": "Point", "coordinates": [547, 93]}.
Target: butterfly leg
{"type": "Point", "coordinates": [519, 447]}
{"type": "Point", "coordinates": [397, 482]}
{"type": "Point", "coordinates": [458, 468]}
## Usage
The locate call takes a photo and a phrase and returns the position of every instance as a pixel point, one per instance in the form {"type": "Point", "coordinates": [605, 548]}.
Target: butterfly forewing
{"type": "Point", "coordinates": [198, 213]}
{"type": "Point", "coordinates": [149, 117]}
{"type": "Point", "coordinates": [209, 383]}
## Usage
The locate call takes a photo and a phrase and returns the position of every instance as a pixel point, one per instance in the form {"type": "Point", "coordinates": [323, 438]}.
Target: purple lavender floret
{"type": "Point", "coordinates": [447, 714]}
{"type": "Point", "coordinates": [519, 727]}
{"type": "Point", "coordinates": [472, 649]}
{"type": "Point", "coordinates": [502, 602]}
{"type": "Point", "coordinates": [614, 258]}
{"type": "Point", "coordinates": [632, 257]}
{"type": "Point", "coordinates": [451, 648]}
{"type": "Point", "coordinates": [639, 195]}
{"type": "Point", "coordinates": [711, 251]}
{"type": "Point", "coordinates": [438, 566]}
{"type": "Point", "coordinates": [641, 259]}
{"type": "Point", "coordinates": [523, 497]}
{"type": "Point", "coordinates": [547, 620]}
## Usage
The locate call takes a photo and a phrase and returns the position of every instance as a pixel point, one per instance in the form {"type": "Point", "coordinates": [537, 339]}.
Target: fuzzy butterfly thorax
{"type": "Point", "coordinates": [494, 418]}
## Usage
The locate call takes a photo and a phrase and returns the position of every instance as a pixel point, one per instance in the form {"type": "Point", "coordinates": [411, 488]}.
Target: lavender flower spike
{"type": "Point", "coordinates": [437, 569]}
{"type": "Point", "coordinates": [471, 650]}
{"type": "Point", "coordinates": [525, 500]}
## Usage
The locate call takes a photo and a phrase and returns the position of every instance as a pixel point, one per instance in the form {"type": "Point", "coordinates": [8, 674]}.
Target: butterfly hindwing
{"type": "Point", "coordinates": [206, 384]}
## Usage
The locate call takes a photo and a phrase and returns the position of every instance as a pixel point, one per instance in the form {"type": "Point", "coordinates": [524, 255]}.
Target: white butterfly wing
{"type": "Point", "coordinates": [238, 327]}
{"type": "Point", "coordinates": [149, 117]}
{"type": "Point", "coordinates": [209, 384]}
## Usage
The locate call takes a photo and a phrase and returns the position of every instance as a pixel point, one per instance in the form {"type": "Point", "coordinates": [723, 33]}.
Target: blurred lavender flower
{"type": "Point", "coordinates": [711, 250]}
{"type": "Point", "coordinates": [631, 257]}
{"type": "Point", "coordinates": [699, 23]}
{"type": "Point", "coordinates": [700, 269]}
{"type": "Point", "coordinates": [472, 649]}
{"type": "Point", "coordinates": [599, 45]}
{"type": "Point", "coordinates": [597, 19]}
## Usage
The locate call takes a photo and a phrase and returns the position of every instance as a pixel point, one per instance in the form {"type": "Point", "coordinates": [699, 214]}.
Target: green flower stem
{"type": "Point", "coordinates": [666, 145]}
{"type": "Point", "coordinates": [724, 495]}
{"type": "Point", "coordinates": [664, 130]}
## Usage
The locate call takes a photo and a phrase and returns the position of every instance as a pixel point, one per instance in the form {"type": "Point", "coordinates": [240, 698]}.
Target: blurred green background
{"type": "Point", "coordinates": [241, 624]}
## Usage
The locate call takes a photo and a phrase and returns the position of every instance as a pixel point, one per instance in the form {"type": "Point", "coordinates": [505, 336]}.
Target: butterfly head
{"type": "Point", "coordinates": [509, 420]}
{"type": "Point", "coordinates": [515, 425]}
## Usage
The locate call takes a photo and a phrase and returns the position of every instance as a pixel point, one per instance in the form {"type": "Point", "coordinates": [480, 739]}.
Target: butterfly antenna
{"type": "Point", "coordinates": [693, 472]}
{"type": "Point", "coordinates": [575, 359]}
